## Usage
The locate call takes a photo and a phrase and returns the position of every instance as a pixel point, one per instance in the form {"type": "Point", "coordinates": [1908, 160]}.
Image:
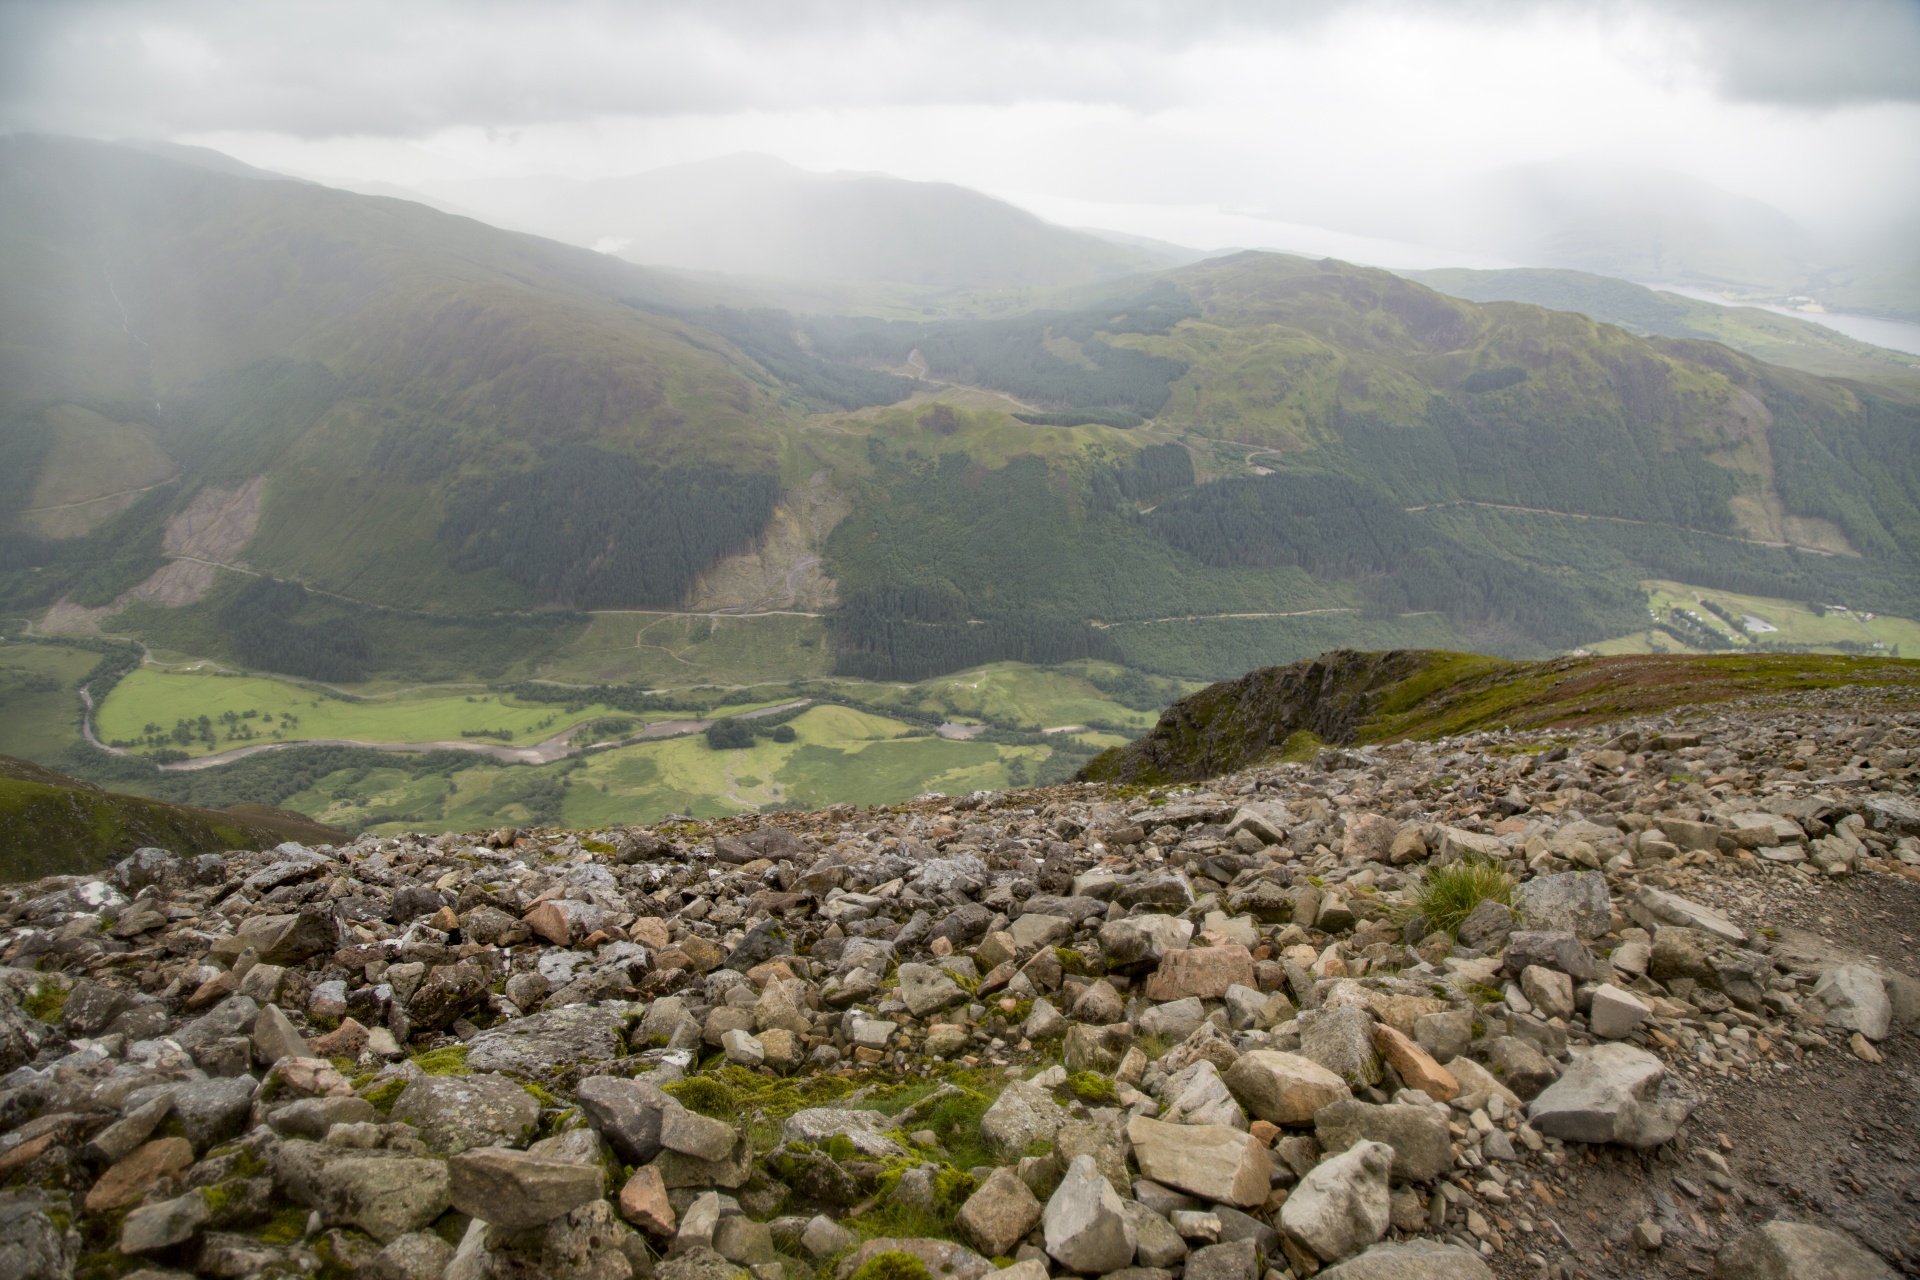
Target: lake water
{"type": "Point", "coordinates": [1896, 335]}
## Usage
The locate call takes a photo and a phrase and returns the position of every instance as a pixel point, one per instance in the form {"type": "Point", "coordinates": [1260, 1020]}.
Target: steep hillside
{"type": "Point", "coordinates": [342, 437]}
{"type": "Point", "coordinates": [364, 395]}
{"type": "Point", "coordinates": [755, 215]}
{"type": "Point", "coordinates": [51, 824]}
{"type": "Point", "coordinates": [1367, 457]}
{"type": "Point", "coordinates": [1350, 697]}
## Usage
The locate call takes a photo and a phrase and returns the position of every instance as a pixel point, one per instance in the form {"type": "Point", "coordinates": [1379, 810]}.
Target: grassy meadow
{"type": "Point", "coordinates": [247, 709]}
{"type": "Point", "coordinates": [1834, 629]}
{"type": "Point", "coordinates": [39, 715]}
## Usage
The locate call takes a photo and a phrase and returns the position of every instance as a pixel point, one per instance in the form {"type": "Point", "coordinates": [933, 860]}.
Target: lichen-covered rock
{"type": "Point", "coordinates": [546, 1042]}
{"type": "Point", "coordinates": [454, 1113]}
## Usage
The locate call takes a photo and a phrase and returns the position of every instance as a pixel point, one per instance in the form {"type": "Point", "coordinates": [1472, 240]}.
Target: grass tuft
{"type": "Point", "coordinates": [1447, 895]}
{"type": "Point", "coordinates": [47, 1003]}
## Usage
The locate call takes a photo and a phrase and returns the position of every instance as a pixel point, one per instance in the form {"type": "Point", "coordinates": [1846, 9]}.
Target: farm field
{"type": "Point", "coordinates": [39, 717]}
{"type": "Point", "coordinates": [222, 711]}
{"type": "Point", "coordinates": [1044, 697]}
{"type": "Point", "coordinates": [1837, 629]}
{"type": "Point", "coordinates": [837, 754]}
{"type": "Point", "coordinates": [862, 754]}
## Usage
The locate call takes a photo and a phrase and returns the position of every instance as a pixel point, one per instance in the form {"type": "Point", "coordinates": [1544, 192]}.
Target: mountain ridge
{"type": "Point", "coordinates": [751, 214]}
{"type": "Point", "coordinates": [411, 391]}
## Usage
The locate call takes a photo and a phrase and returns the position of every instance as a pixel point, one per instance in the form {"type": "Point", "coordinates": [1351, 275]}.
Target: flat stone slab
{"type": "Point", "coordinates": [548, 1042]}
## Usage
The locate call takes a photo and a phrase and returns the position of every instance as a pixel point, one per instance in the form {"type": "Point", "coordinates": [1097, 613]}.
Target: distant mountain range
{"type": "Point", "coordinates": [755, 215]}
{"type": "Point", "coordinates": [1639, 223]}
{"type": "Point", "coordinates": [298, 429]}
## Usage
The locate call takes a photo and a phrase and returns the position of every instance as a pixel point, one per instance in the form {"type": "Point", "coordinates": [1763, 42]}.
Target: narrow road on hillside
{"type": "Point", "coordinates": [1580, 515]}
{"type": "Point", "coordinates": [1201, 617]}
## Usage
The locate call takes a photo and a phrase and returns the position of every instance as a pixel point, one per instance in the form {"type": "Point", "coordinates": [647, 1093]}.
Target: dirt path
{"type": "Point", "coordinates": [1821, 1138]}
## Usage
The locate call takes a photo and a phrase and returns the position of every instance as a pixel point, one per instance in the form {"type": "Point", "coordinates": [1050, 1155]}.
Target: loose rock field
{"type": "Point", "coordinates": [1664, 1023]}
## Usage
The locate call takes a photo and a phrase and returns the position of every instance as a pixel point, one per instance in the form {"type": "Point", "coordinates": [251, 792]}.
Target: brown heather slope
{"type": "Point", "coordinates": [51, 824]}
{"type": "Point", "coordinates": [1348, 697]}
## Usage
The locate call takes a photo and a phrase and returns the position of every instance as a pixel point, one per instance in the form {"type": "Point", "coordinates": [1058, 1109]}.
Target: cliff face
{"type": "Point", "coordinates": [1229, 725]}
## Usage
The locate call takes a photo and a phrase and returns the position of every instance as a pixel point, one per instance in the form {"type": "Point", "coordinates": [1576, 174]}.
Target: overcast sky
{"type": "Point", "coordinates": [1177, 120]}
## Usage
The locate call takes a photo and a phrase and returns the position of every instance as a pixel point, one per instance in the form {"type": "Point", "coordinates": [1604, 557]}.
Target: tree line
{"type": "Point", "coordinates": [593, 529]}
{"type": "Point", "coordinates": [257, 624]}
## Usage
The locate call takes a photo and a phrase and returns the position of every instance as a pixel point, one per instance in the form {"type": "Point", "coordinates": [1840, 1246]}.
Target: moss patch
{"type": "Point", "coordinates": [448, 1061]}
{"type": "Point", "coordinates": [894, 1264]}
{"type": "Point", "coordinates": [1093, 1089]}
{"type": "Point", "coordinates": [385, 1094]}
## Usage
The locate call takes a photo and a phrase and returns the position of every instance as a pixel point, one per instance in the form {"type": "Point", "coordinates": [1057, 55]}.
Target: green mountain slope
{"type": "Point", "coordinates": [1367, 450]}
{"type": "Point", "coordinates": [382, 371]}
{"type": "Point", "coordinates": [350, 437]}
{"type": "Point", "coordinates": [1764, 335]}
{"type": "Point", "coordinates": [1351, 697]}
{"type": "Point", "coordinates": [51, 824]}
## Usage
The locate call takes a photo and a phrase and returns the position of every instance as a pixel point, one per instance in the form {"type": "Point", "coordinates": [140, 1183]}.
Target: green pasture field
{"type": "Point", "coordinates": [838, 754]}
{"type": "Point", "coordinates": [1038, 697]}
{"type": "Point", "coordinates": [674, 650]}
{"type": "Point", "coordinates": [149, 696]}
{"type": "Point", "coordinates": [38, 722]}
{"type": "Point", "coordinates": [1797, 624]}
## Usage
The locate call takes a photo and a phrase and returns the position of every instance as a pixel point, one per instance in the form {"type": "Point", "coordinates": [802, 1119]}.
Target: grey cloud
{"type": "Point", "coordinates": [318, 68]}
{"type": "Point", "coordinates": [1814, 53]}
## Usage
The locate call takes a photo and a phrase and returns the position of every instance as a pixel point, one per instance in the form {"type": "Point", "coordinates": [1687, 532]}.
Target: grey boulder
{"type": "Point", "coordinates": [518, 1189]}
{"type": "Point", "coordinates": [1795, 1251]}
{"type": "Point", "coordinates": [1087, 1229]}
{"type": "Point", "coordinates": [1855, 997]}
{"type": "Point", "coordinates": [1576, 901]}
{"type": "Point", "coordinates": [454, 1113]}
{"type": "Point", "coordinates": [548, 1041]}
{"type": "Point", "coordinates": [926, 989]}
{"type": "Point", "coordinates": [1413, 1260]}
{"type": "Point", "coordinates": [625, 1113]}
{"type": "Point", "coordinates": [1422, 1148]}
{"type": "Point", "coordinates": [1343, 1204]}
{"type": "Point", "coordinates": [1612, 1093]}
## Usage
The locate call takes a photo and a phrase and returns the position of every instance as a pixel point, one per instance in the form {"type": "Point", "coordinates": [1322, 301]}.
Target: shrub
{"type": "Point", "coordinates": [729, 734]}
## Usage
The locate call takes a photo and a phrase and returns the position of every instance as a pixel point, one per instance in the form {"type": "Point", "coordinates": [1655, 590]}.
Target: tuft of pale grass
{"type": "Point", "coordinates": [1447, 895]}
